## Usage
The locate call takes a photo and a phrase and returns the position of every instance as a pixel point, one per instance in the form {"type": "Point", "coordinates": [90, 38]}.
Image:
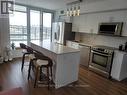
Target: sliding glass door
{"type": "Point", "coordinates": [30, 24]}
{"type": "Point", "coordinates": [18, 26]}
{"type": "Point", "coordinates": [35, 26]}
{"type": "Point", "coordinates": [40, 26]}
{"type": "Point", "coordinates": [47, 26]}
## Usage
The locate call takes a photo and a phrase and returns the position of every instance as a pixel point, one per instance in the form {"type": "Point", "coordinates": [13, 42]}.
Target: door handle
{"type": "Point", "coordinates": [58, 32]}
{"type": "Point", "coordinates": [100, 53]}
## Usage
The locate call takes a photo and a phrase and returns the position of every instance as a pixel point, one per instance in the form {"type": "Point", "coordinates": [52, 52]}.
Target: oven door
{"type": "Point", "coordinates": [101, 61]}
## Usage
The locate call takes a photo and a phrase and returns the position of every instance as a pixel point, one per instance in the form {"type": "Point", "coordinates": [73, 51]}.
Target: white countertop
{"type": "Point", "coordinates": [55, 47]}
{"type": "Point", "coordinates": [123, 52]}
{"type": "Point", "coordinates": [85, 44]}
{"type": "Point", "coordinates": [81, 43]}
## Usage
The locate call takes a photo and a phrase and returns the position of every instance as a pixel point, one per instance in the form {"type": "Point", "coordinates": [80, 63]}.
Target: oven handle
{"type": "Point", "coordinates": [100, 53]}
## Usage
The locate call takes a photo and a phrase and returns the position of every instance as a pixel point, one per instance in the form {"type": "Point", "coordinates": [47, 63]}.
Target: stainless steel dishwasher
{"type": "Point", "coordinates": [84, 55]}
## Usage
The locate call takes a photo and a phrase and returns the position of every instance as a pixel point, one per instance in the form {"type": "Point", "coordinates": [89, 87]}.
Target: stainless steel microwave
{"type": "Point", "coordinates": [110, 28]}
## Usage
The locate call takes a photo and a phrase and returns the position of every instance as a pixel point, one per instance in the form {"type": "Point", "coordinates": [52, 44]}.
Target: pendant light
{"type": "Point", "coordinates": [73, 8]}
{"type": "Point", "coordinates": [67, 13]}
{"type": "Point", "coordinates": [74, 11]}
{"type": "Point", "coordinates": [71, 12]}
{"type": "Point", "coordinates": [78, 11]}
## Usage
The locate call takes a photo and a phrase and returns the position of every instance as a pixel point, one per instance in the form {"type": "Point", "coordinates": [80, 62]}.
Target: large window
{"type": "Point", "coordinates": [39, 22]}
{"type": "Point", "coordinates": [35, 25]}
{"type": "Point", "coordinates": [18, 26]}
{"type": "Point", "coordinates": [47, 22]}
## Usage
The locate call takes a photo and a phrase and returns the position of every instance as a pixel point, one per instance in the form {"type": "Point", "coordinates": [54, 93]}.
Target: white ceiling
{"type": "Point", "coordinates": [50, 4]}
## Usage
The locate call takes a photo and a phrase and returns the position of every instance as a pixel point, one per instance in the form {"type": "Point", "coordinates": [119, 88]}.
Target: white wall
{"type": "Point", "coordinates": [101, 5]}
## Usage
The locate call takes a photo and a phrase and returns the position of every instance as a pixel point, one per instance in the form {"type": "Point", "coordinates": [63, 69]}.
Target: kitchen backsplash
{"type": "Point", "coordinates": [100, 39]}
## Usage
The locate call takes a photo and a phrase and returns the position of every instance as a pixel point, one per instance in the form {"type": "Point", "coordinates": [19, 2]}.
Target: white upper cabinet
{"type": "Point", "coordinates": [78, 23]}
{"type": "Point", "coordinates": [88, 23]}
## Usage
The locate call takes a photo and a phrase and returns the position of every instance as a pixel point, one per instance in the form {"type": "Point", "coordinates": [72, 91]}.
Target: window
{"type": "Point", "coordinates": [47, 22]}
{"type": "Point", "coordinates": [34, 25]}
{"type": "Point", "coordinates": [18, 26]}
{"type": "Point", "coordinates": [39, 22]}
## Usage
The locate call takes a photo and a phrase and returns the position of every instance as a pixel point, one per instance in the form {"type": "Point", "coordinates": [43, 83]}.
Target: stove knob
{"type": "Point", "coordinates": [110, 52]}
{"type": "Point", "coordinates": [94, 48]}
{"type": "Point", "coordinates": [105, 51]}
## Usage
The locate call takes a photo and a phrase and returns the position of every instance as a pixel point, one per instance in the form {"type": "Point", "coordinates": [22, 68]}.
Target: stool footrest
{"type": "Point", "coordinates": [43, 77]}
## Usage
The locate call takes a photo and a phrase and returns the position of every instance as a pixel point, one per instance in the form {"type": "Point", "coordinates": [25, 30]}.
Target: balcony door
{"type": "Point", "coordinates": [40, 26]}
{"type": "Point", "coordinates": [47, 24]}
{"type": "Point", "coordinates": [35, 33]}
{"type": "Point", "coordinates": [30, 24]}
{"type": "Point", "coordinates": [18, 26]}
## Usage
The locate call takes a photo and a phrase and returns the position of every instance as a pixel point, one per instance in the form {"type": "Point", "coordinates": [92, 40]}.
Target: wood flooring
{"type": "Point", "coordinates": [89, 83]}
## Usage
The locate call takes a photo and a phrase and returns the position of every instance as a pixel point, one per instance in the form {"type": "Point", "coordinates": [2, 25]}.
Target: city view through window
{"type": "Point", "coordinates": [19, 31]}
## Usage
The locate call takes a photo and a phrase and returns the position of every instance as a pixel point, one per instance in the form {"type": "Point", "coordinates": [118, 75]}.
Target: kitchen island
{"type": "Point", "coordinates": [65, 61]}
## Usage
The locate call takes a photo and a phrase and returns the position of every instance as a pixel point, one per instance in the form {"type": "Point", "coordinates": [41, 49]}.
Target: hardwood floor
{"type": "Point", "coordinates": [89, 83]}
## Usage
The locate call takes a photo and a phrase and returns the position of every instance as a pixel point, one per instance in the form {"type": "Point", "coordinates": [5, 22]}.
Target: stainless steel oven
{"type": "Point", "coordinates": [101, 60]}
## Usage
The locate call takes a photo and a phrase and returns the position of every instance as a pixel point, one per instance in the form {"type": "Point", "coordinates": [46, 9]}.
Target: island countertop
{"type": "Point", "coordinates": [65, 61]}
{"type": "Point", "coordinates": [55, 47]}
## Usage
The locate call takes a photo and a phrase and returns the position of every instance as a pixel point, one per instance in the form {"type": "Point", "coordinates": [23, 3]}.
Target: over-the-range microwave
{"type": "Point", "coordinates": [110, 28]}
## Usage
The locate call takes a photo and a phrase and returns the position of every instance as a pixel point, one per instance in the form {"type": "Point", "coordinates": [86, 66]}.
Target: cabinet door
{"type": "Point", "coordinates": [117, 65]}
{"type": "Point", "coordinates": [88, 23]}
{"type": "Point", "coordinates": [84, 55]}
{"type": "Point", "coordinates": [75, 28]}
{"type": "Point", "coordinates": [75, 22]}
{"type": "Point", "coordinates": [93, 21]}
{"type": "Point", "coordinates": [115, 72]}
{"type": "Point", "coordinates": [78, 24]}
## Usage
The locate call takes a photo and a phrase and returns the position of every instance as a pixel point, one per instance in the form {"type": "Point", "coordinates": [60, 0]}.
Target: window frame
{"type": "Point", "coordinates": [42, 10]}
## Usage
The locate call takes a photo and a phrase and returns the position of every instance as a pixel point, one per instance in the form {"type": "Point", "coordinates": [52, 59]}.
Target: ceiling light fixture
{"type": "Point", "coordinates": [73, 8]}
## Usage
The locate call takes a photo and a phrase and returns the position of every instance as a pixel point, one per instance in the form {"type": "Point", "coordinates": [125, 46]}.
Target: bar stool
{"type": "Point", "coordinates": [26, 51]}
{"type": "Point", "coordinates": [38, 63]}
{"type": "Point", "coordinates": [31, 53]}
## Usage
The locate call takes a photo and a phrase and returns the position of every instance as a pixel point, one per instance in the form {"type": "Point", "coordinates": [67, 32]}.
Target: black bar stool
{"type": "Point", "coordinates": [38, 63]}
{"type": "Point", "coordinates": [26, 51]}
